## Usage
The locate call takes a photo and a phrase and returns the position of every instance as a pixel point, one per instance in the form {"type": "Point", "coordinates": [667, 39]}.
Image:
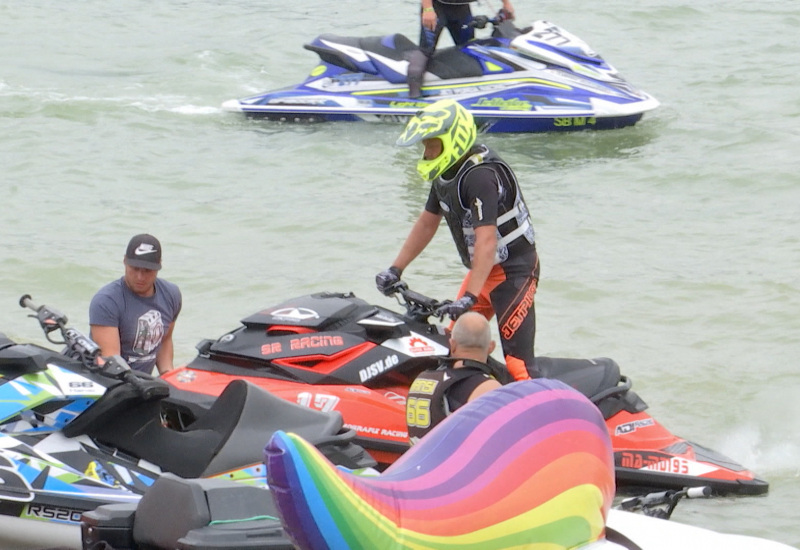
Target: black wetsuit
{"type": "Point", "coordinates": [455, 16]}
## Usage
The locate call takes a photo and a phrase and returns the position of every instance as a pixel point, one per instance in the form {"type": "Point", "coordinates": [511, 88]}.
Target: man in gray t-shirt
{"type": "Point", "coordinates": [135, 315]}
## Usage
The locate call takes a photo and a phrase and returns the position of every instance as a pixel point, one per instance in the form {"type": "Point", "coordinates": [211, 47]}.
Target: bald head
{"type": "Point", "coordinates": [470, 335]}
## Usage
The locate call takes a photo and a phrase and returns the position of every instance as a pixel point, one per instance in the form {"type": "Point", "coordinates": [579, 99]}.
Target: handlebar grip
{"type": "Point", "coordinates": [699, 492]}
{"type": "Point", "coordinates": [49, 318]}
{"type": "Point", "coordinates": [421, 299]}
{"type": "Point", "coordinates": [414, 296]}
{"type": "Point", "coordinates": [27, 301]}
{"type": "Point", "coordinates": [479, 22]}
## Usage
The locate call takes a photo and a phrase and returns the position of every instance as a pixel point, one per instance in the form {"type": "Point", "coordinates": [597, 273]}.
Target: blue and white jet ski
{"type": "Point", "coordinates": [77, 433]}
{"type": "Point", "coordinates": [537, 79]}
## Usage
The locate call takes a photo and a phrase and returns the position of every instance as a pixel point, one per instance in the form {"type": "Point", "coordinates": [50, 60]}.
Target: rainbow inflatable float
{"type": "Point", "coordinates": [528, 465]}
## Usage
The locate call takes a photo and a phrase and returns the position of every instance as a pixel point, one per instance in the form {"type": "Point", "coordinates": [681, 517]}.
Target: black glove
{"type": "Point", "coordinates": [386, 279]}
{"type": "Point", "coordinates": [504, 15]}
{"type": "Point", "coordinates": [459, 307]}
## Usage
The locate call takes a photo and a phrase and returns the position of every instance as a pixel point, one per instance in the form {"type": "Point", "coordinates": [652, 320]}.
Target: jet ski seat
{"type": "Point", "coordinates": [446, 63]}
{"type": "Point", "coordinates": [231, 434]}
{"type": "Point", "coordinates": [258, 414]}
{"type": "Point", "coordinates": [392, 46]}
{"type": "Point", "coordinates": [451, 62]}
{"type": "Point", "coordinates": [599, 379]}
{"type": "Point", "coordinates": [588, 376]}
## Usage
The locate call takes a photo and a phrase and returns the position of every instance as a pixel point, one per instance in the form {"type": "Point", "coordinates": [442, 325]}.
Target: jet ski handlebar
{"type": "Point", "coordinates": [50, 319]}
{"type": "Point", "coordinates": [84, 348]}
{"type": "Point", "coordinates": [479, 22]}
{"type": "Point", "coordinates": [662, 504]}
{"type": "Point", "coordinates": [502, 24]}
{"type": "Point", "coordinates": [418, 306]}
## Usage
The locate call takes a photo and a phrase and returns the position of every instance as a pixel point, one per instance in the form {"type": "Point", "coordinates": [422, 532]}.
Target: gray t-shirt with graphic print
{"type": "Point", "coordinates": [142, 322]}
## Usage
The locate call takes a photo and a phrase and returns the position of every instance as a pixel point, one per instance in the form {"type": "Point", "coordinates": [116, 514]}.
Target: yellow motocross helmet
{"type": "Point", "coordinates": [448, 121]}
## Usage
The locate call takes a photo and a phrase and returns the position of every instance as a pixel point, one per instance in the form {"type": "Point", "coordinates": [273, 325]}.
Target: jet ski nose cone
{"type": "Point", "coordinates": [232, 105]}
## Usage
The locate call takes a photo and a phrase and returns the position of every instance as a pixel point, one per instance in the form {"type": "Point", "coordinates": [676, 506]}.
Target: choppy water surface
{"type": "Point", "coordinates": [672, 246]}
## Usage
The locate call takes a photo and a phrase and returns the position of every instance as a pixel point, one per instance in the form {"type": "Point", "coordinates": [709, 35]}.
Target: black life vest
{"type": "Point", "coordinates": [513, 218]}
{"type": "Point", "coordinates": [427, 404]}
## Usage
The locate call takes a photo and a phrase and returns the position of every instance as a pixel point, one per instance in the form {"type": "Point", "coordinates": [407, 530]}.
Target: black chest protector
{"type": "Point", "coordinates": [427, 403]}
{"type": "Point", "coordinates": [513, 219]}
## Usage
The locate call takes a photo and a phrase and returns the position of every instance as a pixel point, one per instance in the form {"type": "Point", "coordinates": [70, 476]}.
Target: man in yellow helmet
{"type": "Point", "coordinates": [478, 195]}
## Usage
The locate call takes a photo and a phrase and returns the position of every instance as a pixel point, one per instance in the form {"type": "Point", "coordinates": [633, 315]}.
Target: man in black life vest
{"type": "Point", "coordinates": [478, 195]}
{"type": "Point", "coordinates": [460, 378]}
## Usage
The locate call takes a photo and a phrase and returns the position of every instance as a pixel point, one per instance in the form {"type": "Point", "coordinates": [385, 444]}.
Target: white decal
{"type": "Point", "coordinates": [417, 346]}
{"type": "Point", "coordinates": [396, 397]}
{"type": "Point", "coordinates": [295, 313]}
{"type": "Point", "coordinates": [149, 332]}
{"type": "Point", "coordinates": [479, 208]}
{"type": "Point", "coordinates": [681, 466]}
{"type": "Point", "coordinates": [320, 401]}
{"type": "Point", "coordinates": [376, 368]}
{"type": "Point", "coordinates": [71, 383]}
{"type": "Point", "coordinates": [630, 427]}
{"type": "Point", "coordinates": [371, 430]}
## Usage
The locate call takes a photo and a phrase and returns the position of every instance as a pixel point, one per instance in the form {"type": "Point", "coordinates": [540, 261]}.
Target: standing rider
{"type": "Point", "coordinates": [435, 16]}
{"type": "Point", "coordinates": [478, 195]}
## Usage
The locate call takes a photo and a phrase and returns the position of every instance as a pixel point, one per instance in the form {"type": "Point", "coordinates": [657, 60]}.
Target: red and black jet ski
{"type": "Point", "coordinates": [335, 351]}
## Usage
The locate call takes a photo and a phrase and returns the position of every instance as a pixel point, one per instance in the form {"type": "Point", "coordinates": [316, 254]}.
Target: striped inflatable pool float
{"type": "Point", "coordinates": [528, 465]}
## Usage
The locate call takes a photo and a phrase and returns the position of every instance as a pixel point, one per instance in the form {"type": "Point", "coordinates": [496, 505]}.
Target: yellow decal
{"type": "Point", "coordinates": [493, 68]}
{"type": "Point", "coordinates": [414, 104]}
{"type": "Point", "coordinates": [421, 385]}
{"type": "Point", "coordinates": [484, 87]}
{"type": "Point", "coordinates": [575, 121]}
{"type": "Point", "coordinates": [418, 412]}
{"type": "Point", "coordinates": [318, 70]}
{"type": "Point", "coordinates": [504, 104]}
{"type": "Point", "coordinates": [91, 471]}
